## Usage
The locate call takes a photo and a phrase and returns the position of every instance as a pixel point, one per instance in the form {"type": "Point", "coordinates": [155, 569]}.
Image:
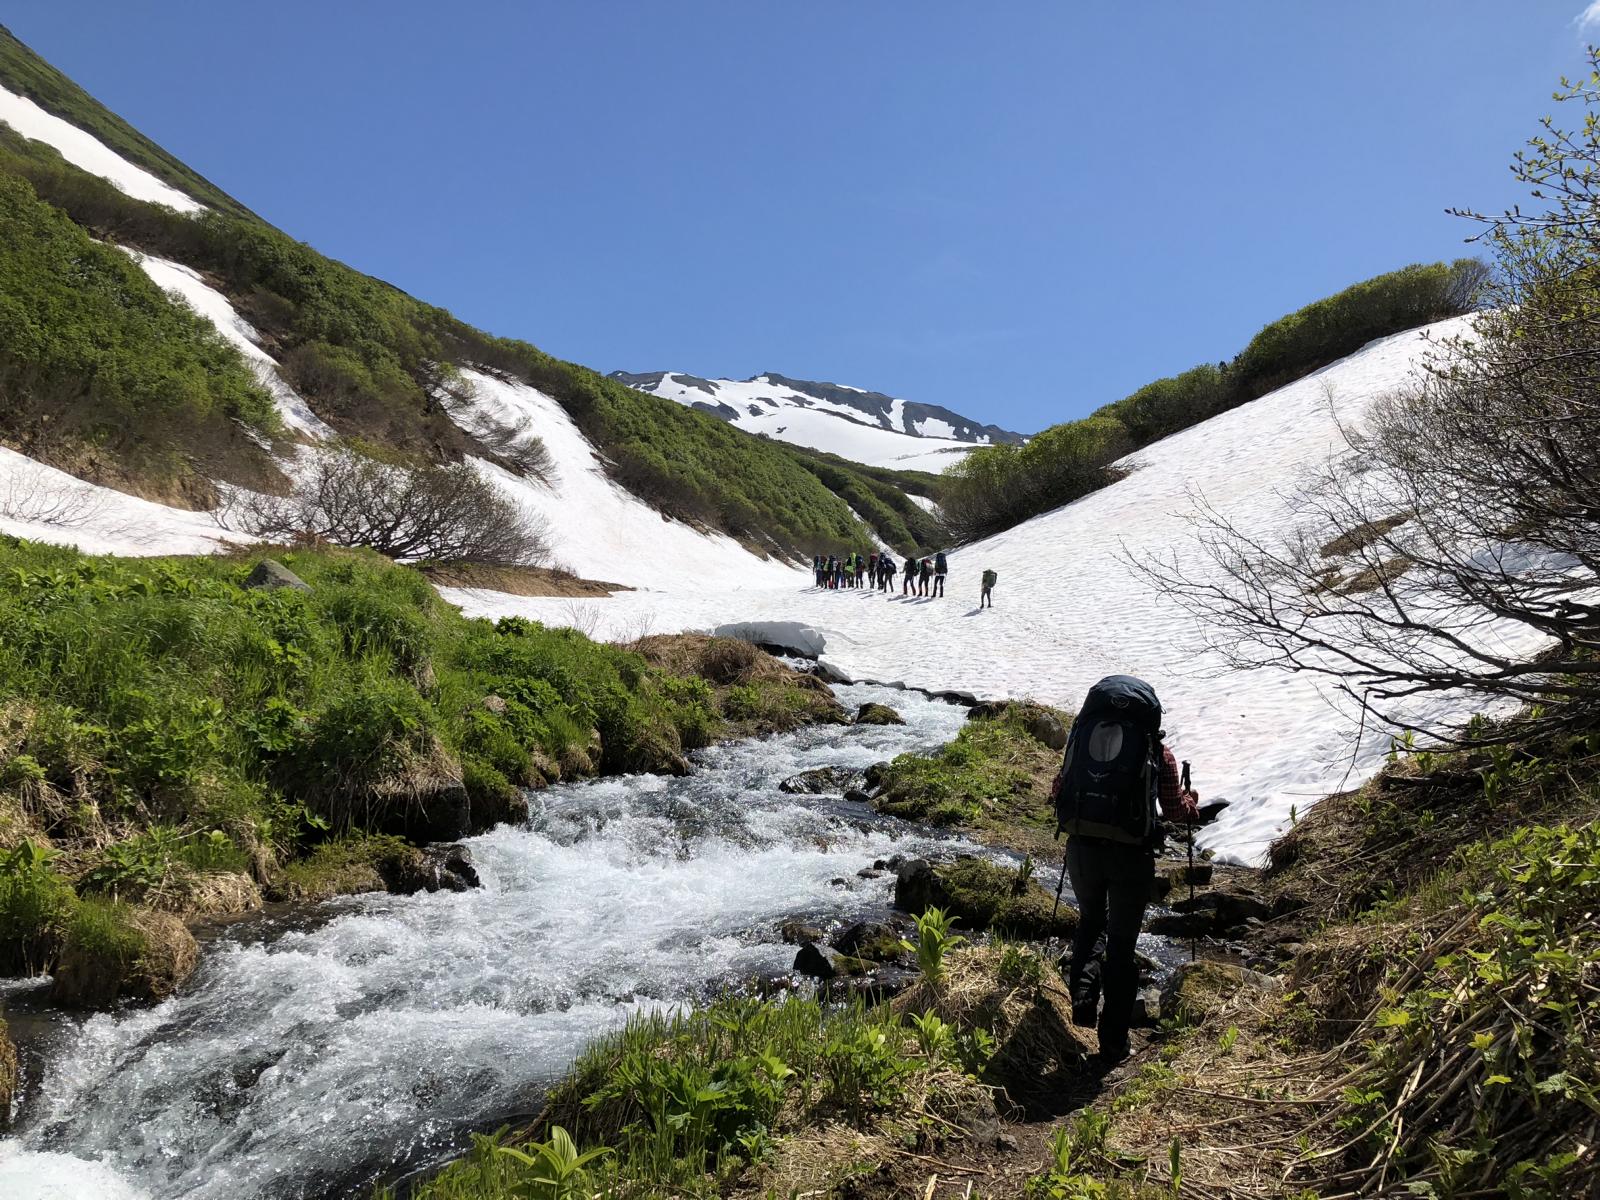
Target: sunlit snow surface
{"type": "Point", "coordinates": [302, 1062]}
{"type": "Point", "coordinates": [1069, 609]}
{"type": "Point", "coordinates": [86, 151]}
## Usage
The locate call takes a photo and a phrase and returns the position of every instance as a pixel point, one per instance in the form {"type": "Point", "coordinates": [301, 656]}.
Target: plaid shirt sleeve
{"type": "Point", "coordinates": [1176, 804]}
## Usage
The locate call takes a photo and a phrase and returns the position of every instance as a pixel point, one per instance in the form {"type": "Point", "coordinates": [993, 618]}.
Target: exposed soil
{"type": "Point", "coordinates": [519, 581]}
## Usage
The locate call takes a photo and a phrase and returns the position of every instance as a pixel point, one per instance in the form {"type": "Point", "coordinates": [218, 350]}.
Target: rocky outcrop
{"type": "Point", "coordinates": [875, 941]}
{"type": "Point", "coordinates": [271, 574]}
{"type": "Point", "coordinates": [878, 714]}
{"type": "Point", "coordinates": [438, 868]}
{"type": "Point", "coordinates": [983, 896]}
{"type": "Point", "coordinates": [127, 954]}
{"type": "Point", "coordinates": [798, 933]}
{"type": "Point", "coordinates": [1211, 914]}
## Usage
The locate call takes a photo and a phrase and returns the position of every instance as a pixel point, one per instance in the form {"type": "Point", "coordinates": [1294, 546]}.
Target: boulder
{"type": "Point", "coordinates": [8, 1077]}
{"type": "Point", "coordinates": [798, 933]}
{"type": "Point", "coordinates": [988, 710]}
{"type": "Point", "coordinates": [857, 796]}
{"type": "Point", "coordinates": [821, 781]}
{"type": "Point", "coordinates": [1046, 727]}
{"type": "Point", "coordinates": [437, 868]}
{"type": "Point", "coordinates": [878, 714]}
{"type": "Point", "coordinates": [1197, 989]}
{"type": "Point", "coordinates": [915, 888]}
{"type": "Point", "coordinates": [1183, 875]}
{"type": "Point", "coordinates": [136, 954]}
{"type": "Point", "coordinates": [1210, 812]}
{"type": "Point", "coordinates": [981, 895]}
{"type": "Point", "coordinates": [813, 962]}
{"type": "Point", "coordinates": [494, 704]}
{"type": "Point", "coordinates": [873, 986]}
{"type": "Point", "coordinates": [271, 574]}
{"type": "Point", "coordinates": [876, 774]}
{"type": "Point", "coordinates": [874, 941]}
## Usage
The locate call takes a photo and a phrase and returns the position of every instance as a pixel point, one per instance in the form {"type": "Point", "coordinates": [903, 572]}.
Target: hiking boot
{"type": "Point", "coordinates": [1113, 1051]}
{"type": "Point", "coordinates": [1084, 1014]}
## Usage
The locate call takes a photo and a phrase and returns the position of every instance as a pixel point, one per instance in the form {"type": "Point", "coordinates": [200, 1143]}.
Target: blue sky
{"type": "Point", "coordinates": [1018, 210]}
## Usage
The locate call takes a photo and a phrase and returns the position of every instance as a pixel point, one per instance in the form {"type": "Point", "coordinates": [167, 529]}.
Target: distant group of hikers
{"type": "Point", "coordinates": [923, 576]}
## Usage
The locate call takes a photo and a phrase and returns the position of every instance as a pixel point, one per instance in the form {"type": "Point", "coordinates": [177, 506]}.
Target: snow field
{"type": "Point", "coordinates": [88, 152]}
{"type": "Point", "coordinates": [776, 411]}
{"type": "Point", "coordinates": [1070, 608]}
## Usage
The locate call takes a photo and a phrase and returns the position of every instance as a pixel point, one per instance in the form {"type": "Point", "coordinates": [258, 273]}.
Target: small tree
{"type": "Point", "coordinates": [1454, 546]}
{"type": "Point", "coordinates": [438, 513]}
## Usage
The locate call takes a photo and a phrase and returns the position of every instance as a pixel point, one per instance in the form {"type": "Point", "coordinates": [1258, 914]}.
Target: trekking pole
{"type": "Point", "coordinates": [1193, 937]}
{"type": "Point", "coordinates": [1054, 908]}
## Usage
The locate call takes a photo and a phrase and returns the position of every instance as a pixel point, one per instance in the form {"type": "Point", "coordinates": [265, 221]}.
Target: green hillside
{"type": "Point", "coordinates": [367, 357]}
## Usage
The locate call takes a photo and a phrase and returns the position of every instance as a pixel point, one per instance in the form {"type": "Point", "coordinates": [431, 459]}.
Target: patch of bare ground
{"type": "Point", "coordinates": [518, 581]}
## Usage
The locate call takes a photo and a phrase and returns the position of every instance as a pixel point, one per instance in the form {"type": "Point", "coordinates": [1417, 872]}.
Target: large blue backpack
{"type": "Point", "coordinates": [1111, 772]}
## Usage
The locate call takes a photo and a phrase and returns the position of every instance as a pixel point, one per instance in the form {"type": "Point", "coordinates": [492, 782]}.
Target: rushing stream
{"type": "Point", "coordinates": [304, 1059]}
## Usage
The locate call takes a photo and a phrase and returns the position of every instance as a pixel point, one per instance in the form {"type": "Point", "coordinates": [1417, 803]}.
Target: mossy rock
{"type": "Point", "coordinates": [8, 1076]}
{"type": "Point", "coordinates": [120, 952]}
{"type": "Point", "coordinates": [878, 714]}
{"type": "Point", "coordinates": [982, 895]}
{"type": "Point", "coordinates": [344, 867]}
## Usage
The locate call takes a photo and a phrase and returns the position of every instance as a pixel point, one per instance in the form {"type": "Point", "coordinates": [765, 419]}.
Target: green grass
{"type": "Point", "coordinates": [992, 779]}
{"type": "Point", "coordinates": [688, 1101]}
{"type": "Point", "coordinates": [996, 487]}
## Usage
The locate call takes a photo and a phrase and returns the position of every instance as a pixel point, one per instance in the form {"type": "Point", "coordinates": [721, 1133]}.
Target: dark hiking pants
{"type": "Point", "coordinates": [1112, 882]}
{"type": "Point", "coordinates": [938, 585]}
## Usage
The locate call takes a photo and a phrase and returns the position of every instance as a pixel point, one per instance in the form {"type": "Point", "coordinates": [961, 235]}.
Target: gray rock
{"type": "Point", "coordinates": [871, 940]}
{"type": "Point", "coordinates": [1210, 812]}
{"type": "Point", "coordinates": [494, 704]}
{"type": "Point", "coordinates": [915, 887]}
{"type": "Point", "coordinates": [1047, 728]}
{"type": "Point", "coordinates": [813, 962]}
{"type": "Point", "coordinates": [798, 933]}
{"type": "Point", "coordinates": [875, 774]}
{"type": "Point", "coordinates": [1147, 1008]}
{"type": "Point", "coordinates": [821, 781]}
{"type": "Point", "coordinates": [1198, 987]}
{"type": "Point", "coordinates": [857, 796]}
{"type": "Point", "coordinates": [272, 574]}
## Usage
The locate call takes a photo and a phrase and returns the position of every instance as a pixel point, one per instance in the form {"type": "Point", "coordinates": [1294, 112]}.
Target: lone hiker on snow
{"type": "Point", "coordinates": [986, 597]}
{"type": "Point", "coordinates": [1114, 776]}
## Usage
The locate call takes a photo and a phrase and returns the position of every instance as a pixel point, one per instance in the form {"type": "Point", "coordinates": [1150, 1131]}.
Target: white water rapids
{"type": "Point", "coordinates": [305, 1062]}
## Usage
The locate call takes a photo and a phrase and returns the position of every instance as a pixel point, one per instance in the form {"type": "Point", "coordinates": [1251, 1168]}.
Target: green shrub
{"type": "Point", "coordinates": [36, 906]}
{"type": "Point", "coordinates": [996, 487]}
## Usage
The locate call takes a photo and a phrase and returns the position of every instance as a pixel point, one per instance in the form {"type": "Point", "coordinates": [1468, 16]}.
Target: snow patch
{"type": "Point", "coordinates": [601, 530]}
{"type": "Point", "coordinates": [89, 153]}
{"type": "Point", "coordinates": [186, 284]}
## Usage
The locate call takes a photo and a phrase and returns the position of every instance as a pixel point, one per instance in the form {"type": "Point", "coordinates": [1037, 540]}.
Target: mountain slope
{"type": "Point", "coordinates": [343, 352]}
{"type": "Point", "coordinates": [862, 426]}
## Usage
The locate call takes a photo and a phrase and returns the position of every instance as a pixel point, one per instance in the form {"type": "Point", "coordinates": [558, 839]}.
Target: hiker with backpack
{"type": "Point", "coordinates": [924, 575]}
{"type": "Point", "coordinates": [985, 597]}
{"type": "Point", "coordinates": [909, 586]}
{"type": "Point", "coordinates": [885, 572]}
{"type": "Point", "coordinates": [941, 568]}
{"type": "Point", "coordinates": [1116, 776]}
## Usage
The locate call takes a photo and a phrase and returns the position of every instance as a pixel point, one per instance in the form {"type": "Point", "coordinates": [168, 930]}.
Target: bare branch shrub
{"type": "Point", "coordinates": [437, 513]}
{"type": "Point", "coordinates": [585, 618]}
{"type": "Point", "coordinates": [516, 449]}
{"type": "Point", "coordinates": [33, 494]}
{"type": "Point", "coordinates": [1455, 546]}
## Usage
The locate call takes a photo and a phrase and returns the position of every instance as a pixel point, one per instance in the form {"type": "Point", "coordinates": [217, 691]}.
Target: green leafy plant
{"type": "Point", "coordinates": [934, 939]}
